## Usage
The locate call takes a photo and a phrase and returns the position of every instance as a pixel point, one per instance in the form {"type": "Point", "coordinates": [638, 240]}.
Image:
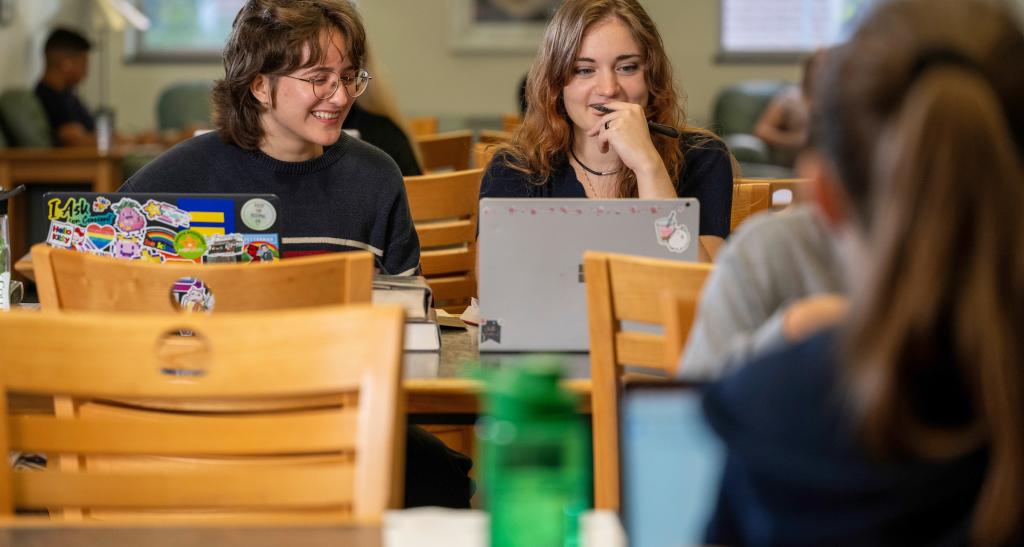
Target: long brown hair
{"type": "Point", "coordinates": [543, 139]}
{"type": "Point", "coordinates": [922, 115]}
{"type": "Point", "coordinates": [269, 37]}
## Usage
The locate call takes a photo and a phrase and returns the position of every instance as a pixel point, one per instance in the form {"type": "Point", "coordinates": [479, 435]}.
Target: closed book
{"type": "Point", "coordinates": [422, 336]}
{"type": "Point", "coordinates": [409, 291]}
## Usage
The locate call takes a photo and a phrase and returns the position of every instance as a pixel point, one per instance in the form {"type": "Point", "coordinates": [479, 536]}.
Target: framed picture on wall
{"type": "Point", "coordinates": [499, 26]}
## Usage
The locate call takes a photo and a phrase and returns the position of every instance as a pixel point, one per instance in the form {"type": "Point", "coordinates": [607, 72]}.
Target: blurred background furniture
{"type": "Point", "coordinates": [184, 107]}
{"type": "Point", "coordinates": [445, 151]}
{"type": "Point", "coordinates": [736, 111]}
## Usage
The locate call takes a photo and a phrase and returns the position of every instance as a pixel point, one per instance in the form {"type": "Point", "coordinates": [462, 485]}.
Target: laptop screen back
{"type": "Point", "coordinates": [166, 227]}
{"type": "Point", "coordinates": [671, 464]}
{"type": "Point", "coordinates": [531, 285]}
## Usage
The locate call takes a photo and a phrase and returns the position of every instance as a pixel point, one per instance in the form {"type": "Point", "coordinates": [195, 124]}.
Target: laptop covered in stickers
{"type": "Point", "coordinates": [201, 228]}
{"type": "Point", "coordinates": [531, 288]}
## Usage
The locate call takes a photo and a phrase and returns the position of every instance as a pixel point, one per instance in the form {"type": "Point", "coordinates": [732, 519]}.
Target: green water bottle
{"type": "Point", "coordinates": [5, 248]}
{"type": "Point", "coordinates": [535, 455]}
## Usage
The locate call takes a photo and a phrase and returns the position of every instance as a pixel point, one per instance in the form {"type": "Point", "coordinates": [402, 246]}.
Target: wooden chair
{"type": "Point", "coordinates": [445, 150]}
{"type": "Point", "coordinates": [339, 459]}
{"type": "Point", "coordinates": [483, 153]}
{"type": "Point", "coordinates": [70, 280]}
{"type": "Point", "coordinates": [510, 122]}
{"type": "Point", "coordinates": [423, 125]}
{"type": "Point", "coordinates": [748, 199]}
{"type": "Point", "coordinates": [444, 209]}
{"type": "Point", "coordinates": [796, 189]}
{"type": "Point", "coordinates": [636, 289]}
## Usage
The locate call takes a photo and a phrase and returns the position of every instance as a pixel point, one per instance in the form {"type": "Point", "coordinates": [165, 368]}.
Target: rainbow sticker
{"type": "Point", "coordinates": [160, 240]}
{"type": "Point", "coordinates": [100, 237]}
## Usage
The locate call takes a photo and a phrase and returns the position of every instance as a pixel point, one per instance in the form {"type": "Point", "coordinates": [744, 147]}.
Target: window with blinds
{"type": "Point", "coordinates": [781, 28]}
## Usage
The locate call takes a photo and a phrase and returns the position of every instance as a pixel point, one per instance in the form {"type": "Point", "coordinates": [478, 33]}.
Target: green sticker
{"type": "Point", "coordinates": [190, 244]}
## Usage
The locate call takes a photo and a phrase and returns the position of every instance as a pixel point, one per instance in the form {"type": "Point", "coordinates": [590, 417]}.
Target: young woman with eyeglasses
{"type": "Point", "coordinates": [292, 71]}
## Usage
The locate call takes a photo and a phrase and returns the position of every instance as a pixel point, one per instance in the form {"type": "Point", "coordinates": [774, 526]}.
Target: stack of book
{"type": "Point", "coordinates": [413, 294]}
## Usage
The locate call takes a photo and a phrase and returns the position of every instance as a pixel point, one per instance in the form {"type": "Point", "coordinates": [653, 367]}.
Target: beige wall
{"type": "Point", "coordinates": [411, 39]}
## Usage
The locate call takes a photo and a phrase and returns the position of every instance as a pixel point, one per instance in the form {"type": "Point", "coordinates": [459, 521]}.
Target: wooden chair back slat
{"type": "Point", "coordinates": [624, 288]}
{"type": "Point", "coordinates": [447, 261]}
{"type": "Point", "coordinates": [70, 280]}
{"type": "Point", "coordinates": [346, 455]}
{"type": "Point", "coordinates": [295, 433]}
{"type": "Point", "coordinates": [423, 125]}
{"type": "Point", "coordinates": [443, 233]}
{"type": "Point", "coordinates": [277, 487]}
{"type": "Point", "coordinates": [448, 150]}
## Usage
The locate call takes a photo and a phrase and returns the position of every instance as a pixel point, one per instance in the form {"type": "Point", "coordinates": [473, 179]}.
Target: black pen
{"type": "Point", "coordinates": [656, 127]}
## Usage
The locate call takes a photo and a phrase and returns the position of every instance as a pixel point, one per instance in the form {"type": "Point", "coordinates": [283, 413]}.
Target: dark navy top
{"type": "Point", "coordinates": [796, 473]}
{"type": "Point", "coordinates": [383, 133]}
{"type": "Point", "coordinates": [63, 107]}
{"type": "Point", "coordinates": [706, 174]}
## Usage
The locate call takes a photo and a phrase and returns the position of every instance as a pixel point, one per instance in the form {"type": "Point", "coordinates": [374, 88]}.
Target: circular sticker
{"type": "Point", "coordinates": [192, 295]}
{"type": "Point", "coordinates": [258, 214]}
{"type": "Point", "coordinates": [190, 244]}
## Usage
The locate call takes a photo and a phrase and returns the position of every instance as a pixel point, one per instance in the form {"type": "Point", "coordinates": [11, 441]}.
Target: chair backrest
{"type": "Point", "coordinates": [444, 210]}
{"type": "Point", "coordinates": [445, 150]}
{"type": "Point", "coordinates": [344, 458]}
{"type": "Point", "coordinates": [185, 104]}
{"type": "Point", "coordinates": [422, 125]}
{"type": "Point", "coordinates": [640, 290]}
{"type": "Point", "coordinates": [748, 199]}
{"type": "Point", "coordinates": [783, 192]}
{"type": "Point", "coordinates": [24, 119]}
{"type": "Point", "coordinates": [483, 153]}
{"type": "Point", "coordinates": [739, 106]}
{"type": "Point", "coordinates": [69, 280]}
{"type": "Point", "coordinates": [511, 122]}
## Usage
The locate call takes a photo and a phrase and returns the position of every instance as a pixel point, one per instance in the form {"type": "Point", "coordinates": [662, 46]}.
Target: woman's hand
{"type": "Point", "coordinates": [625, 131]}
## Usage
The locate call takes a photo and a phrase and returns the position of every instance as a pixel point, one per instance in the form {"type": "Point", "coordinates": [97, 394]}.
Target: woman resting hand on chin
{"type": "Point", "coordinates": [601, 75]}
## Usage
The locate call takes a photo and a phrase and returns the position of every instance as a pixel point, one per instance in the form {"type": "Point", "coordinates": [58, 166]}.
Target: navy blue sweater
{"type": "Point", "coordinates": [706, 174]}
{"type": "Point", "coordinates": [796, 473]}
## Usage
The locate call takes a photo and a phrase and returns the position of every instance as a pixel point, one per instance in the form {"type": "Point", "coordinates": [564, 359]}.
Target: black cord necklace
{"type": "Point", "coordinates": [589, 170]}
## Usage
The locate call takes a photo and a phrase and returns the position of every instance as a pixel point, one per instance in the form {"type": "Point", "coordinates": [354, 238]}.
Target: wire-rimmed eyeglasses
{"type": "Point", "coordinates": [326, 84]}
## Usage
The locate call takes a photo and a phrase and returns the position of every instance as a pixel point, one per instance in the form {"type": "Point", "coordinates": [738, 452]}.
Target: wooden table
{"type": "Point", "coordinates": [53, 166]}
{"type": "Point", "coordinates": [44, 533]}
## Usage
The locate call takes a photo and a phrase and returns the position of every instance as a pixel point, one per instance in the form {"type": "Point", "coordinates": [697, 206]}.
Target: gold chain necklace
{"type": "Point", "coordinates": [590, 185]}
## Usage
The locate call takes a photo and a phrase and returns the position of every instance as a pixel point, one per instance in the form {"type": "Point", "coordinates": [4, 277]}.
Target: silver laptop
{"type": "Point", "coordinates": [532, 295]}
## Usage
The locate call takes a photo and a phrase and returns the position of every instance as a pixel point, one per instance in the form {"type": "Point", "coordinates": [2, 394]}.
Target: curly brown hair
{"type": "Point", "coordinates": [546, 133]}
{"type": "Point", "coordinates": [270, 37]}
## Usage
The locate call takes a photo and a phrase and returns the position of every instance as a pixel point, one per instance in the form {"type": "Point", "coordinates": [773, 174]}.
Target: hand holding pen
{"type": "Point", "coordinates": [655, 127]}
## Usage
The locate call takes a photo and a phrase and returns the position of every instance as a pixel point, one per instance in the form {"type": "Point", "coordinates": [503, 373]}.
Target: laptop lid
{"type": "Point", "coordinates": [166, 227]}
{"type": "Point", "coordinates": [531, 287]}
{"type": "Point", "coordinates": [670, 464]}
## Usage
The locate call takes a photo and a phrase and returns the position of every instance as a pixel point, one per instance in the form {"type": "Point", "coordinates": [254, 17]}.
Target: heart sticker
{"type": "Point", "coordinates": [100, 236]}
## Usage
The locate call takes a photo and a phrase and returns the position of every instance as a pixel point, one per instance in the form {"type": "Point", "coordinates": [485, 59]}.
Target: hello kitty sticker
{"type": "Point", "coordinates": [671, 234]}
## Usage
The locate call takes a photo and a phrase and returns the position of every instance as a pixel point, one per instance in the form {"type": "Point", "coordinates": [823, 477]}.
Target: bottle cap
{"type": "Point", "coordinates": [4, 196]}
{"type": "Point", "coordinates": [529, 387]}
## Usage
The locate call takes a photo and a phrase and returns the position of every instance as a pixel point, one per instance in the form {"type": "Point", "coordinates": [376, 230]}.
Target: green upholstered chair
{"type": "Point", "coordinates": [737, 109]}
{"type": "Point", "coordinates": [24, 119]}
{"type": "Point", "coordinates": [183, 105]}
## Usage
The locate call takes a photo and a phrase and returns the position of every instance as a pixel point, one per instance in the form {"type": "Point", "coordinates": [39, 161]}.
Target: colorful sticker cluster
{"type": "Point", "coordinates": [197, 229]}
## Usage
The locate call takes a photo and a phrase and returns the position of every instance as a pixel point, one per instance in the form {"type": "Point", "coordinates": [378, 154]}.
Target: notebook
{"type": "Point", "coordinates": [532, 295]}
{"type": "Point", "coordinates": [166, 227]}
{"type": "Point", "coordinates": [670, 464]}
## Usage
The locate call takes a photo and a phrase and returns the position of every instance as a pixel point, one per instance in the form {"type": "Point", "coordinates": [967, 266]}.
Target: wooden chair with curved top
{"type": "Point", "coordinates": [622, 288]}
{"type": "Point", "coordinates": [70, 280]}
{"type": "Point", "coordinates": [327, 460]}
{"type": "Point", "coordinates": [449, 150]}
{"type": "Point", "coordinates": [444, 209]}
{"type": "Point", "coordinates": [423, 125]}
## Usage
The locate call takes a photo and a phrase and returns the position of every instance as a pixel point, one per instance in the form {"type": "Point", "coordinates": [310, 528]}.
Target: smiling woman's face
{"type": "Point", "coordinates": [299, 124]}
{"type": "Point", "coordinates": [608, 67]}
